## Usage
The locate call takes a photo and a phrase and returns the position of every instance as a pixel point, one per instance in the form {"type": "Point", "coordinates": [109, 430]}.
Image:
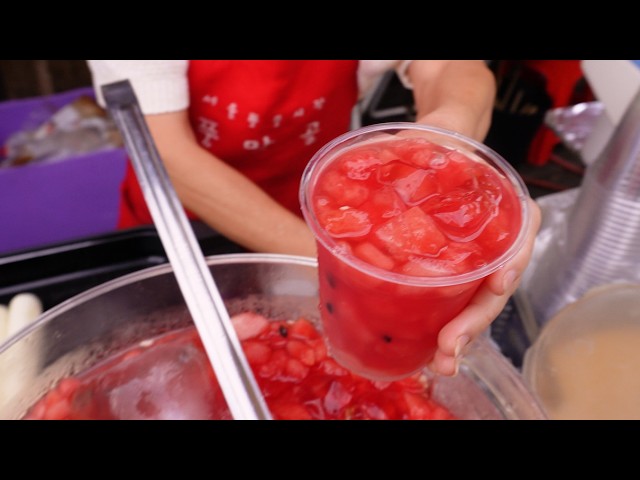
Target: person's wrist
{"type": "Point", "coordinates": [448, 121]}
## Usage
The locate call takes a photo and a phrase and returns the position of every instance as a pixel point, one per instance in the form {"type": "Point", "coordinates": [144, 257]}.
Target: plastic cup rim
{"type": "Point", "coordinates": [323, 154]}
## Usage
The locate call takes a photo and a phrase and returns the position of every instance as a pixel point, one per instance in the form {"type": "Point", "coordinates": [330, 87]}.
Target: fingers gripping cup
{"type": "Point", "coordinates": [409, 220]}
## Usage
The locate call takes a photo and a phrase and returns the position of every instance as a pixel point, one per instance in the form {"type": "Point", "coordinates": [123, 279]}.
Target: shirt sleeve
{"type": "Point", "coordinates": [160, 85]}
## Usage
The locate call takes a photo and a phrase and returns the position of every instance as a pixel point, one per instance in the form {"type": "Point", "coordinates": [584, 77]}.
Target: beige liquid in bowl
{"type": "Point", "coordinates": [596, 376]}
{"type": "Point", "coordinates": [586, 363]}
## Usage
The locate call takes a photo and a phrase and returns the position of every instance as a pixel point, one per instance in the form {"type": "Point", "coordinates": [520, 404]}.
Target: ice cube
{"type": "Point", "coordinates": [347, 222]}
{"type": "Point", "coordinates": [453, 259]}
{"type": "Point", "coordinates": [167, 382]}
{"type": "Point", "coordinates": [463, 215]}
{"type": "Point", "coordinates": [438, 161]}
{"type": "Point", "coordinates": [413, 185]}
{"type": "Point", "coordinates": [371, 254]}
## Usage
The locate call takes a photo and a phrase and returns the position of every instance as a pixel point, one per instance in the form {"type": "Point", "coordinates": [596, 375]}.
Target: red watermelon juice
{"type": "Point", "coordinates": [409, 220]}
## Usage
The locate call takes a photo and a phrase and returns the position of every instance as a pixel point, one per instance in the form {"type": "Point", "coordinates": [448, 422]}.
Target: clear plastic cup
{"type": "Point", "coordinates": [409, 220]}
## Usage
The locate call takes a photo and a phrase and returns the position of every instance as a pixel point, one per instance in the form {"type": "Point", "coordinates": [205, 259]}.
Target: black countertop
{"type": "Point", "coordinates": [60, 271]}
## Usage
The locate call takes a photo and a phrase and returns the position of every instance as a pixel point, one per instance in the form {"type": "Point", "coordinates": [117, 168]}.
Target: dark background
{"type": "Point", "coordinates": [34, 78]}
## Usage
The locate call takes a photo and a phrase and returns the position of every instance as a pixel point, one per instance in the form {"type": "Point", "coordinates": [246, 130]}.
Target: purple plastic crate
{"type": "Point", "coordinates": [55, 202]}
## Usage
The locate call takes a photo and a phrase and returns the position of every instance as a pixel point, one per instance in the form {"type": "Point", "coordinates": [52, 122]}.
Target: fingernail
{"type": "Point", "coordinates": [456, 367]}
{"type": "Point", "coordinates": [461, 342]}
{"type": "Point", "coordinates": [432, 365]}
{"type": "Point", "coordinates": [508, 280]}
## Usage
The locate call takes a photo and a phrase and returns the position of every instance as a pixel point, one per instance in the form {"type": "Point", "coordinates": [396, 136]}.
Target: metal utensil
{"type": "Point", "coordinates": [243, 396]}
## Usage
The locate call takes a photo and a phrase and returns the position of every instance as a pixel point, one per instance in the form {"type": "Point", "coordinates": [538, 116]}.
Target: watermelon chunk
{"type": "Point", "coordinates": [385, 203]}
{"type": "Point", "coordinates": [360, 163]}
{"type": "Point", "coordinates": [410, 233]}
{"type": "Point", "coordinates": [249, 325]}
{"type": "Point", "coordinates": [371, 254]}
{"type": "Point", "coordinates": [257, 352]}
{"type": "Point", "coordinates": [342, 190]}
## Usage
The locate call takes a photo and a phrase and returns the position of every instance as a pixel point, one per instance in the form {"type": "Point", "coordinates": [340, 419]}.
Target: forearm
{"type": "Point", "coordinates": [225, 199]}
{"type": "Point", "coordinates": [454, 94]}
{"type": "Point", "coordinates": [238, 209]}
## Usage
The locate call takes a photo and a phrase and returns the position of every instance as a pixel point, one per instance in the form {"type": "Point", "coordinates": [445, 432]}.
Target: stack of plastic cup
{"type": "Point", "coordinates": [599, 240]}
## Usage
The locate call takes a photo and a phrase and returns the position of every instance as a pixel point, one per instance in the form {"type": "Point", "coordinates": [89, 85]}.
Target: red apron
{"type": "Point", "coordinates": [266, 118]}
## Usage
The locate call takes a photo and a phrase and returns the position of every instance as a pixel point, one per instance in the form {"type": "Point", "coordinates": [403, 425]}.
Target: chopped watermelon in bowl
{"type": "Point", "coordinates": [128, 349]}
{"type": "Point", "coordinates": [169, 378]}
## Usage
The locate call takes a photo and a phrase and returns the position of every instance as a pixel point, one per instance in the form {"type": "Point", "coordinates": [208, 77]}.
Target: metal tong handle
{"type": "Point", "coordinates": [198, 288]}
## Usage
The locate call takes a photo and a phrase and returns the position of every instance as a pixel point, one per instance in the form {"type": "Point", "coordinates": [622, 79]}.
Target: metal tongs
{"type": "Point", "coordinates": [198, 288]}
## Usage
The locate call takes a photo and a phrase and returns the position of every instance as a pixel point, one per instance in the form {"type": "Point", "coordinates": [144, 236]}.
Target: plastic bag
{"type": "Point", "coordinates": [79, 127]}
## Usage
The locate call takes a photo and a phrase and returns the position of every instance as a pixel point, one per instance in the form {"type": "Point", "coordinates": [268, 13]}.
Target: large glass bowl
{"type": "Point", "coordinates": [109, 318]}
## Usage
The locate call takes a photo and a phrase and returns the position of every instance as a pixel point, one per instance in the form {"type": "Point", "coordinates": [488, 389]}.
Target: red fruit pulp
{"type": "Point", "coordinates": [171, 378]}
